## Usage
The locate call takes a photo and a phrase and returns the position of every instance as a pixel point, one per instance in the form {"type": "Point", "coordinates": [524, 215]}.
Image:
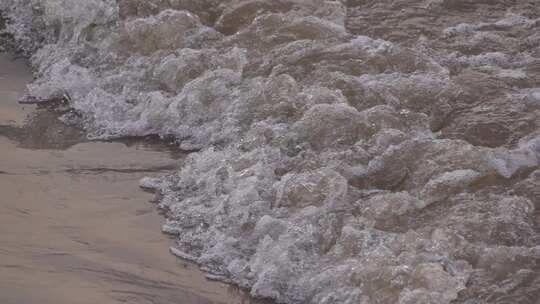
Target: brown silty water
{"type": "Point", "coordinates": [74, 227]}
{"type": "Point", "coordinates": [359, 151]}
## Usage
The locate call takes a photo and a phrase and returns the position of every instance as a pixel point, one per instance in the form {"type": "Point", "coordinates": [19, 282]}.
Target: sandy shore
{"type": "Point", "coordinates": [74, 226]}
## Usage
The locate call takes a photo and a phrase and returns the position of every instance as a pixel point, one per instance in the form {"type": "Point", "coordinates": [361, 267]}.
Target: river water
{"type": "Point", "coordinates": [74, 227]}
{"type": "Point", "coordinates": [342, 152]}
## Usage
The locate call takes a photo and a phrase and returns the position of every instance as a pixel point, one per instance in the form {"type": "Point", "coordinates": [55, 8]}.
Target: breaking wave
{"type": "Point", "coordinates": [346, 151]}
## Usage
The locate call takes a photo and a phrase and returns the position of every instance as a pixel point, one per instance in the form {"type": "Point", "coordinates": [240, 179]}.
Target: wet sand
{"type": "Point", "coordinates": [74, 226]}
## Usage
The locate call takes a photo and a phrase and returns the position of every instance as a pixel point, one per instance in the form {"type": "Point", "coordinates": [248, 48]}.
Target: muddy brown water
{"type": "Point", "coordinates": [74, 226]}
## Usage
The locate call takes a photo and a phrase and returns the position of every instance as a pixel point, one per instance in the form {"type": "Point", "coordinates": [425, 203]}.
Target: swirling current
{"type": "Point", "coordinates": [355, 151]}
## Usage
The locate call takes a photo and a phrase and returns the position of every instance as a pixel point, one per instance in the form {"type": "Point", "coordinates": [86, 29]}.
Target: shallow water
{"type": "Point", "coordinates": [74, 226]}
{"type": "Point", "coordinates": [360, 151]}
{"type": "Point", "coordinates": [14, 75]}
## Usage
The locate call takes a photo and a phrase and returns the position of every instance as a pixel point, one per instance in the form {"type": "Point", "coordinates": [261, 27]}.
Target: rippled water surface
{"type": "Point", "coordinates": [74, 226]}
{"type": "Point", "coordinates": [343, 151]}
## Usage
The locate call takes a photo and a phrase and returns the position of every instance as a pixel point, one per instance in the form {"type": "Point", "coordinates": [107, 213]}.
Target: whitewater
{"type": "Point", "coordinates": [357, 151]}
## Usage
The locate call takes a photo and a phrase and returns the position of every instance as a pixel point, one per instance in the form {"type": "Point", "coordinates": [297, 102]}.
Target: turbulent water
{"type": "Point", "coordinates": [355, 151]}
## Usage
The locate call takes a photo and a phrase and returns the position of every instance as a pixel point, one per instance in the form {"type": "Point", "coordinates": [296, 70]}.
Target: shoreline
{"type": "Point", "coordinates": [76, 227]}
